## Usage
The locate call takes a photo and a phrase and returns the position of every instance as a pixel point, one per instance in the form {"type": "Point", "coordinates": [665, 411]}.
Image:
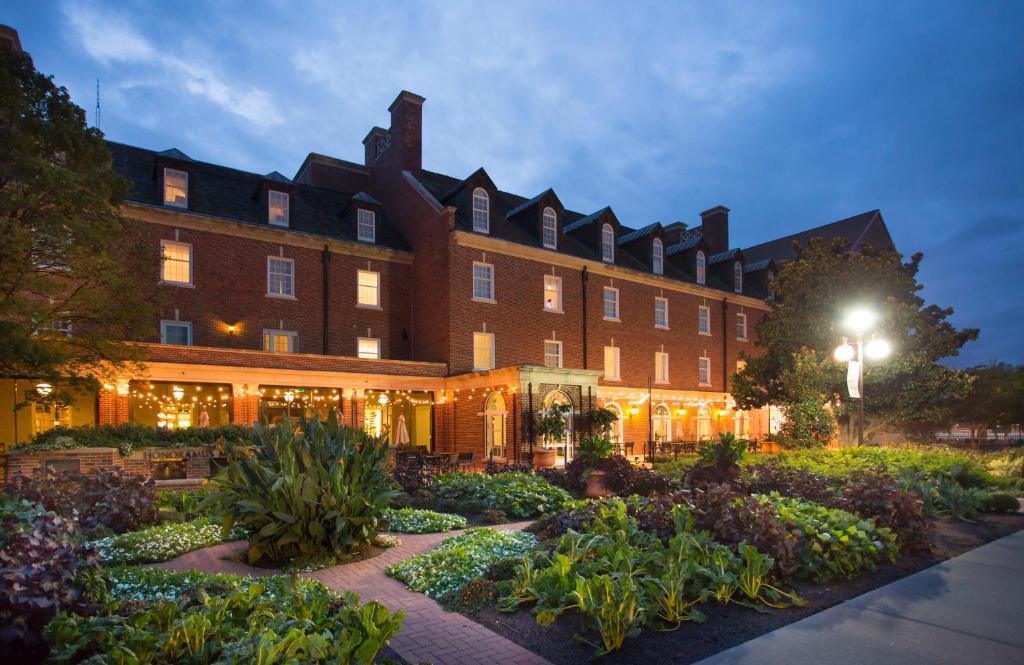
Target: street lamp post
{"type": "Point", "coordinates": [859, 321]}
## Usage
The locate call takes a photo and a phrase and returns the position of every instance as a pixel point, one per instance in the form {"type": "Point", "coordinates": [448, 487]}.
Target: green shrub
{"type": "Point", "coordinates": [162, 542]}
{"type": "Point", "coordinates": [318, 494]}
{"type": "Point", "coordinates": [182, 504]}
{"type": "Point", "coordinates": [717, 461]}
{"type": "Point", "coordinates": [412, 520]}
{"type": "Point", "coordinates": [459, 559]}
{"type": "Point", "coordinates": [127, 437]}
{"type": "Point", "coordinates": [226, 620]}
{"type": "Point", "coordinates": [1000, 502]}
{"type": "Point", "coordinates": [1006, 463]}
{"type": "Point", "coordinates": [839, 463]}
{"type": "Point", "coordinates": [518, 495]}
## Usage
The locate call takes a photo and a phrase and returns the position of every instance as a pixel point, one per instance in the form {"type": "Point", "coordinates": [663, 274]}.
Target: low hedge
{"type": "Point", "coordinates": [127, 437]}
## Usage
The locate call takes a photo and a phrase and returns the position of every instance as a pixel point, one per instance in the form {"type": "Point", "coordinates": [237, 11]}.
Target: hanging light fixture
{"type": "Point", "coordinates": [44, 389]}
{"type": "Point", "coordinates": [289, 396]}
{"type": "Point", "coordinates": [178, 392]}
{"type": "Point", "coordinates": [383, 399]}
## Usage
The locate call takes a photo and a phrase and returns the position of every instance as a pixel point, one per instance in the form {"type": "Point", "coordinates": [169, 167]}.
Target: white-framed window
{"type": "Point", "coordinates": [277, 208]}
{"type": "Point", "coordinates": [368, 347]}
{"type": "Point", "coordinates": [280, 277]}
{"type": "Point", "coordinates": [608, 243]}
{"type": "Point", "coordinates": [702, 267]}
{"type": "Point", "coordinates": [366, 225]}
{"type": "Point", "coordinates": [481, 211]}
{"type": "Point", "coordinates": [176, 332]}
{"type": "Point", "coordinates": [611, 363]}
{"type": "Point", "coordinates": [737, 277]}
{"type": "Point", "coordinates": [552, 293]}
{"type": "Point", "coordinates": [175, 262]}
{"type": "Point", "coordinates": [658, 257]}
{"type": "Point", "coordinates": [704, 371]}
{"type": "Point", "coordinates": [483, 351]}
{"type": "Point", "coordinates": [552, 353]}
{"type": "Point", "coordinates": [660, 312]}
{"type": "Point", "coordinates": [367, 288]}
{"type": "Point", "coordinates": [741, 327]}
{"type": "Point", "coordinates": [175, 188]}
{"type": "Point", "coordinates": [483, 281]}
{"type": "Point", "coordinates": [660, 367]}
{"type": "Point", "coordinates": [549, 229]}
{"type": "Point", "coordinates": [610, 300]}
{"type": "Point", "coordinates": [704, 319]}
{"type": "Point", "coordinates": [280, 341]}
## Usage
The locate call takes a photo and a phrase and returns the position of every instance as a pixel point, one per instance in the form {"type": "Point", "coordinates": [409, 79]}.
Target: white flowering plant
{"type": "Point", "coordinates": [414, 520]}
{"type": "Point", "coordinates": [162, 542]}
{"type": "Point", "coordinates": [461, 558]}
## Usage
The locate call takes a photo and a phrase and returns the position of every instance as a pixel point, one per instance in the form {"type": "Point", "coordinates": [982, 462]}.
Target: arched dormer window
{"type": "Point", "coordinates": [737, 277]}
{"type": "Point", "coordinates": [608, 243]}
{"type": "Point", "coordinates": [702, 268]}
{"type": "Point", "coordinates": [658, 257]}
{"type": "Point", "coordinates": [481, 211]}
{"type": "Point", "coordinates": [549, 230]}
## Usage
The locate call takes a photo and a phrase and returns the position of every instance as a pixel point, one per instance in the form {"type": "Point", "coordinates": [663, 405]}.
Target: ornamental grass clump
{"type": "Point", "coordinates": [319, 491]}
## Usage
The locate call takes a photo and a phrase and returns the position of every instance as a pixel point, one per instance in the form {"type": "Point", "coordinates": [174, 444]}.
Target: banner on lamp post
{"type": "Point", "coordinates": [853, 379]}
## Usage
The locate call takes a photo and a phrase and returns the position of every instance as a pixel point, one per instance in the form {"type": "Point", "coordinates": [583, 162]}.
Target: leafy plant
{"type": "Point", "coordinates": [592, 449]}
{"type": "Point", "coordinates": [551, 425]}
{"type": "Point", "coordinates": [163, 542]}
{"type": "Point", "coordinates": [621, 476]}
{"type": "Point", "coordinates": [1000, 502]}
{"type": "Point", "coordinates": [602, 421]}
{"type": "Point", "coordinates": [182, 504]}
{"type": "Point", "coordinates": [412, 520]}
{"type": "Point", "coordinates": [518, 495]}
{"type": "Point", "coordinates": [315, 494]}
{"type": "Point", "coordinates": [878, 496]}
{"type": "Point", "coordinates": [129, 436]}
{"type": "Point", "coordinates": [718, 461]}
{"type": "Point", "coordinates": [613, 603]}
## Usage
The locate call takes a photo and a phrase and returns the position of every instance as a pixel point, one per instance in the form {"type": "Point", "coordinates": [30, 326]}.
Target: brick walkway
{"type": "Point", "coordinates": [429, 634]}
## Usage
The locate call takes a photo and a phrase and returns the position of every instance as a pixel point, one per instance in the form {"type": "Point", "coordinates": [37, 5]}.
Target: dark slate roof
{"type": "Point", "coordinates": [526, 204]}
{"type": "Point", "coordinates": [724, 256]}
{"type": "Point", "coordinates": [852, 228]}
{"type": "Point", "coordinates": [584, 221]}
{"type": "Point", "coordinates": [639, 233]}
{"type": "Point", "coordinates": [757, 265]}
{"type": "Point", "coordinates": [682, 246]}
{"type": "Point", "coordinates": [277, 176]}
{"type": "Point", "coordinates": [174, 153]}
{"type": "Point", "coordinates": [226, 193]}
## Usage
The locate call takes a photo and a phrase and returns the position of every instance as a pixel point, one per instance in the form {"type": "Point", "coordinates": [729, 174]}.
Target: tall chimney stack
{"type": "Point", "coordinates": [714, 224]}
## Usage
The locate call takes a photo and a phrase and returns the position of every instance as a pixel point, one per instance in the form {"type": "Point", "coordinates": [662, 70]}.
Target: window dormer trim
{"type": "Point", "coordinates": [174, 203]}
{"type": "Point", "coordinates": [658, 256]}
{"type": "Point", "coordinates": [607, 240]}
{"type": "Point", "coordinates": [366, 227]}
{"type": "Point", "coordinates": [286, 221]}
{"type": "Point", "coordinates": [481, 215]}
{"type": "Point", "coordinates": [549, 228]}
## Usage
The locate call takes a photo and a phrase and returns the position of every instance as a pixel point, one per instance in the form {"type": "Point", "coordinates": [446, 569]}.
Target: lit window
{"type": "Point", "coordinates": [608, 243]}
{"type": "Point", "coordinates": [483, 351]}
{"type": "Point", "coordinates": [611, 304]}
{"type": "Point", "coordinates": [661, 367]}
{"type": "Point", "coordinates": [704, 371]}
{"type": "Point", "coordinates": [368, 347]}
{"type": "Point", "coordinates": [481, 211]}
{"type": "Point", "coordinates": [611, 362]}
{"type": "Point", "coordinates": [702, 268]}
{"type": "Point", "coordinates": [552, 353]}
{"type": "Point", "coordinates": [661, 312]}
{"type": "Point", "coordinates": [366, 225]}
{"type": "Point", "coordinates": [176, 263]}
{"type": "Point", "coordinates": [658, 257]}
{"type": "Point", "coordinates": [368, 288]}
{"type": "Point", "coordinates": [280, 277]}
{"type": "Point", "coordinates": [277, 208]}
{"type": "Point", "coordinates": [483, 281]}
{"type": "Point", "coordinates": [279, 341]}
{"type": "Point", "coordinates": [741, 327]}
{"type": "Point", "coordinates": [176, 332]}
{"type": "Point", "coordinates": [552, 293]}
{"type": "Point", "coordinates": [737, 277]}
{"type": "Point", "coordinates": [550, 229]}
{"type": "Point", "coordinates": [175, 188]}
{"type": "Point", "coordinates": [704, 320]}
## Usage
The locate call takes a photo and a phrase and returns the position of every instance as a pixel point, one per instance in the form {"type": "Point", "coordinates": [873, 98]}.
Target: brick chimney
{"type": "Point", "coordinates": [714, 224]}
{"type": "Point", "coordinates": [9, 38]}
{"type": "Point", "coordinates": [402, 144]}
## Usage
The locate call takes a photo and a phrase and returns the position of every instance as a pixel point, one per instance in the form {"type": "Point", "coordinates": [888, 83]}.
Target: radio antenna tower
{"type": "Point", "coordinates": [97, 118]}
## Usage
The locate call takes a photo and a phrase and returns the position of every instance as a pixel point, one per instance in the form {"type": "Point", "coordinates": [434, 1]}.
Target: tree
{"type": "Point", "coordinates": [69, 262]}
{"type": "Point", "coordinates": [996, 399]}
{"type": "Point", "coordinates": [910, 389]}
{"type": "Point", "coordinates": [809, 422]}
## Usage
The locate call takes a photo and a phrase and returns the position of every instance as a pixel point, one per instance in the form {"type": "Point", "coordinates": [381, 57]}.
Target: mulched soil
{"type": "Point", "coordinates": [732, 624]}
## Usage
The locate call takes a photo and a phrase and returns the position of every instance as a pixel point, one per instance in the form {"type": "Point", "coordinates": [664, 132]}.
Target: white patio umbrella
{"type": "Point", "coordinates": [401, 432]}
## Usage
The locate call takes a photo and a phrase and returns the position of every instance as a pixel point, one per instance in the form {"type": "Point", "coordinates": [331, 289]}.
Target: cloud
{"type": "Point", "coordinates": [110, 39]}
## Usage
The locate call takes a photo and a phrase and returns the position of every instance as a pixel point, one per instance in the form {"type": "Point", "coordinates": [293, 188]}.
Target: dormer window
{"type": "Point", "coordinates": [658, 257]}
{"type": "Point", "coordinates": [702, 268]}
{"type": "Point", "coordinates": [549, 231]}
{"type": "Point", "coordinates": [277, 208]}
{"type": "Point", "coordinates": [737, 277]}
{"type": "Point", "coordinates": [608, 243]}
{"type": "Point", "coordinates": [176, 188]}
{"type": "Point", "coordinates": [481, 211]}
{"type": "Point", "coordinates": [366, 225]}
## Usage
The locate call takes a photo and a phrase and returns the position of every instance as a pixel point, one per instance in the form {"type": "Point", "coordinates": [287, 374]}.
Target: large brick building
{"type": "Point", "coordinates": [403, 298]}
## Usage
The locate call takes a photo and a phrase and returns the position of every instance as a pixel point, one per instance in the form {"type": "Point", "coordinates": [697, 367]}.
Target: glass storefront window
{"type": "Point", "coordinates": [295, 402]}
{"type": "Point", "coordinates": [405, 416]}
{"type": "Point", "coordinates": [180, 405]}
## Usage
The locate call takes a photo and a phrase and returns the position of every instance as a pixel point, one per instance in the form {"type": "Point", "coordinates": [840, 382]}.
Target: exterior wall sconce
{"type": "Point", "coordinates": [44, 389]}
{"type": "Point", "coordinates": [231, 329]}
{"type": "Point", "coordinates": [634, 410]}
{"type": "Point", "coordinates": [122, 388]}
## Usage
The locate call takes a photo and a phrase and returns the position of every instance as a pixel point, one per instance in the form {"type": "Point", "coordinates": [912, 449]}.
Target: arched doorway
{"type": "Point", "coordinates": [563, 448]}
{"type": "Point", "coordinates": [703, 423]}
{"type": "Point", "coordinates": [662, 417]}
{"type": "Point", "coordinates": [618, 429]}
{"type": "Point", "coordinates": [494, 426]}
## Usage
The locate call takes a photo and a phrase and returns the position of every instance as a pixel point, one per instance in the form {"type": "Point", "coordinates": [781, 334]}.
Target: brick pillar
{"type": "Point", "coordinates": [113, 407]}
{"type": "Point", "coordinates": [357, 410]}
{"type": "Point", "coordinates": [245, 403]}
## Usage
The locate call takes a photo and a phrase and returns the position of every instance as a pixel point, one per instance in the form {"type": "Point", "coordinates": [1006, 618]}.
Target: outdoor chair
{"type": "Point", "coordinates": [466, 461]}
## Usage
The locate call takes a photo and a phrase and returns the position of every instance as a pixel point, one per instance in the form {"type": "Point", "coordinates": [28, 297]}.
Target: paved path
{"type": "Point", "coordinates": [965, 610]}
{"type": "Point", "coordinates": [429, 634]}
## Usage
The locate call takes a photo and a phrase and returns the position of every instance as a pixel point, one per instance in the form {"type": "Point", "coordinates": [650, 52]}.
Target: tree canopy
{"type": "Point", "coordinates": [996, 400]}
{"type": "Point", "coordinates": [69, 262]}
{"type": "Point", "coordinates": [910, 389]}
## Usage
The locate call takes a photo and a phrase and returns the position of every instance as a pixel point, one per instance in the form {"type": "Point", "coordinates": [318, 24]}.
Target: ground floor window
{"type": "Point", "coordinates": [617, 429]}
{"type": "Point", "coordinates": [171, 405]}
{"type": "Point", "coordinates": [29, 407]}
{"type": "Point", "coordinates": [703, 423]}
{"type": "Point", "coordinates": [404, 416]}
{"type": "Point", "coordinates": [563, 448]}
{"type": "Point", "coordinates": [294, 402]}
{"type": "Point", "coordinates": [495, 414]}
{"type": "Point", "coordinates": [662, 423]}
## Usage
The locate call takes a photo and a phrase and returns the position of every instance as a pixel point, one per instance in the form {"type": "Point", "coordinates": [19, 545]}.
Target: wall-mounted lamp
{"type": "Point", "coordinates": [44, 389]}
{"type": "Point", "coordinates": [178, 392]}
{"type": "Point", "coordinates": [680, 412]}
{"type": "Point", "coordinates": [122, 388]}
{"type": "Point", "coordinates": [723, 412]}
{"type": "Point", "coordinates": [231, 329]}
{"type": "Point", "coordinates": [634, 410]}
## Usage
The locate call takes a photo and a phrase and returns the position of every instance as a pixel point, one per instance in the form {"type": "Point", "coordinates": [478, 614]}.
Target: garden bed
{"type": "Point", "coordinates": [729, 625]}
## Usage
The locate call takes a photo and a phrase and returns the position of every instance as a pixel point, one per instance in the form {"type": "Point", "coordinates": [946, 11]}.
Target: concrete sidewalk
{"type": "Point", "coordinates": [968, 610]}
